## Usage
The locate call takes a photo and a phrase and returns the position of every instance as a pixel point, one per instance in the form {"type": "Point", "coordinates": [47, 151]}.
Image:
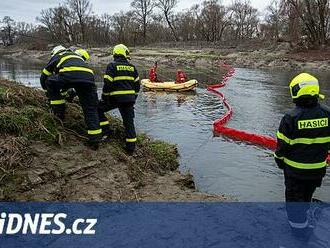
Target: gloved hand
{"type": "Point", "coordinates": [71, 94]}
{"type": "Point", "coordinates": [68, 94]}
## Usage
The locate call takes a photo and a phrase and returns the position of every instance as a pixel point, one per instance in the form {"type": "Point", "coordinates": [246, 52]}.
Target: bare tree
{"type": "Point", "coordinates": [186, 26]}
{"type": "Point", "coordinates": [273, 19]}
{"type": "Point", "coordinates": [82, 10]}
{"type": "Point", "coordinates": [314, 16]}
{"type": "Point", "coordinates": [105, 31]}
{"type": "Point", "coordinates": [167, 7]}
{"type": "Point", "coordinates": [59, 23]}
{"type": "Point", "coordinates": [143, 9]}
{"type": "Point", "coordinates": [244, 19]}
{"type": "Point", "coordinates": [125, 27]}
{"type": "Point", "coordinates": [159, 31]}
{"type": "Point", "coordinates": [8, 31]}
{"type": "Point", "coordinates": [213, 20]}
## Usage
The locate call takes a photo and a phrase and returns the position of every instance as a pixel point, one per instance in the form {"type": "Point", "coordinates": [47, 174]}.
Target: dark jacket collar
{"type": "Point", "coordinates": [306, 102]}
{"type": "Point", "coordinates": [120, 59]}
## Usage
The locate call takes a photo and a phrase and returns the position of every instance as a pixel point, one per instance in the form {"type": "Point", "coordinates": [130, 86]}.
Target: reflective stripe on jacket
{"type": "Point", "coordinates": [70, 66]}
{"type": "Point", "coordinates": [121, 81]}
{"type": "Point", "coordinates": [303, 141]}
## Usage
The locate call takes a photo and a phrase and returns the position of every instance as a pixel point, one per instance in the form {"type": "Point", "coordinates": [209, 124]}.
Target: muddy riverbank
{"type": "Point", "coordinates": [43, 159]}
{"type": "Point", "coordinates": [186, 120]}
{"type": "Point", "coordinates": [275, 56]}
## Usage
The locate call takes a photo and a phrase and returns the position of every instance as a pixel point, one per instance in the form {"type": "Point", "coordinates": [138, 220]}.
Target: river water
{"type": "Point", "coordinates": [219, 165]}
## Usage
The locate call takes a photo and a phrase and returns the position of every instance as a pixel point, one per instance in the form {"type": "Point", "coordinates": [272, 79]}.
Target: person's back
{"type": "Point", "coordinates": [65, 70]}
{"type": "Point", "coordinates": [303, 141]}
{"type": "Point", "coordinates": [74, 68]}
{"type": "Point", "coordinates": [120, 90]}
{"type": "Point", "coordinates": [308, 133]}
{"type": "Point", "coordinates": [69, 66]}
{"type": "Point", "coordinates": [124, 80]}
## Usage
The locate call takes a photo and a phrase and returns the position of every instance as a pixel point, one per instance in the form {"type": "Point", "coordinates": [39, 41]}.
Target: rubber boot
{"type": "Point", "coordinates": [59, 111]}
{"type": "Point", "coordinates": [130, 148]}
{"type": "Point", "coordinates": [92, 144]}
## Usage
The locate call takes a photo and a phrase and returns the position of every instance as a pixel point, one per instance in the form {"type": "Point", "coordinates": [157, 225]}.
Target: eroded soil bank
{"type": "Point", "coordinates": [279, 55]}
{"type": "Point", "coordinates": [43, 159]}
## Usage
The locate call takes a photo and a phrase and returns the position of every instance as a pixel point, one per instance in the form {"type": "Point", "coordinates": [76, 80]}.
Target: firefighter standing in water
{"type": "Point", "coordinates": [121, 86]}
{"type": "Point", "coordinates": [303, 143]}
{"type": "Point", "coordinates": [67, 69]}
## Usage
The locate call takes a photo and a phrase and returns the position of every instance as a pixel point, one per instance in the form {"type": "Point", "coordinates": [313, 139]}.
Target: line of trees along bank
{"type": "Point", "coordinates": [149, 21]}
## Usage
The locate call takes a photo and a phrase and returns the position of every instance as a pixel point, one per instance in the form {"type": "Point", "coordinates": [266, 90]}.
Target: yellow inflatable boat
{"type": "Point", "coordinates": [169, 86]}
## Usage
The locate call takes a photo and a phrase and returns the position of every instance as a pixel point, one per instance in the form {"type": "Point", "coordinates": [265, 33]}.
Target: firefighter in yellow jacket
{"type": "Point", "coordinates": [121, 86]}
{"type": "Point", "coordinates": [65, 70]}
{"type": "Point", "coordinates": [303, 144]}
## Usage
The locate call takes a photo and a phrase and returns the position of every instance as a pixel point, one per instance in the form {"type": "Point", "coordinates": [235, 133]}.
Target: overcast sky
{"type": "Point", "coordinates": [27, 11]}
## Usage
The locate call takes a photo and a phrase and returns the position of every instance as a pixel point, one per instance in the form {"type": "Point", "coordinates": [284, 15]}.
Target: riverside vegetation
{"type": "Point", "coordinates": [44, 159]}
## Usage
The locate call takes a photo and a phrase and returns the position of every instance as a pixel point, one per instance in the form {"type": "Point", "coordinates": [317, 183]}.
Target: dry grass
{"type": "Point", "coordinates": [25, 112]}
{"type": "Point", "coordinates": [14, 155]}
{"type": "Point", "coordinates": [25, 118]}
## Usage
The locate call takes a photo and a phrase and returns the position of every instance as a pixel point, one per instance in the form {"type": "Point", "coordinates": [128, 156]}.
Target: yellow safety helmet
{"type": "Point", "coordinates": [57, 50]}
{"type": "Point", "coordinates": [305, 84]}
{"type": "Point", "coordinates": [83, 53]}
{"type": "Point", "coordinates": [122, 50]}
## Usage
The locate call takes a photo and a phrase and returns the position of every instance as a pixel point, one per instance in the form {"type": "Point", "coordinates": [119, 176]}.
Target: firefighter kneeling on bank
{"type": "Point", "coordinates": [121, 86]}
{"type": "Point", "coordinates": [303, 143]}
{"type": "Point", "coordinates": [65, 70]}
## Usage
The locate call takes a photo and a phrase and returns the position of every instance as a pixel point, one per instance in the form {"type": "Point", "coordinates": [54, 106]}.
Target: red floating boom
{"type": "Point", "coordinates": [219, 124]}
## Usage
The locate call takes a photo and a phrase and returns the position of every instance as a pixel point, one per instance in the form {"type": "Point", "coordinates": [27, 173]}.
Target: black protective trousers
{"type": "Point", "coordinates": [87, 94]}
{"type": "Point", "coordinates": [298, 195]}
{"type": "Point", "coordinates": [126, 110]}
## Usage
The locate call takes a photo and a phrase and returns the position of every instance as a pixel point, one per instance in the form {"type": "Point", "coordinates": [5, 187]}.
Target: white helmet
{"type": "Point", "coordinates": [57, 49]}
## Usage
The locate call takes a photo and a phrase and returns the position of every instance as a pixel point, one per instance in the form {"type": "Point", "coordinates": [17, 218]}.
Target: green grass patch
{"type": "Point", "coordinates": [3, 91]}
{"type": "Point", "coordinates": [165, 154]}
{"type": "Point", "coordinates": [30, 122]}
